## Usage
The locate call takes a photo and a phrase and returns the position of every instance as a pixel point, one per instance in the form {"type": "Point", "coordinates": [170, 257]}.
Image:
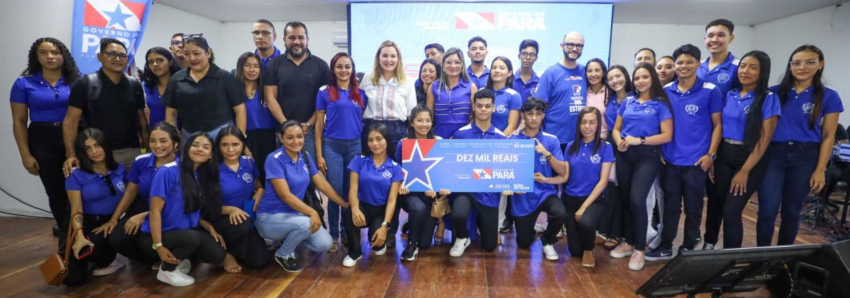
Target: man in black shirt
{"type": "Point", "coordinates": [292, 82]}
{"type": "Point", "coordinates": [117, 109]}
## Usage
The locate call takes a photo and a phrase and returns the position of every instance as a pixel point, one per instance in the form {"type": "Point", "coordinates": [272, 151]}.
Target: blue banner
{"type": "Point", "coordinates": [468, 165]}
{"type": "Point", "coordinates": [124, 20]}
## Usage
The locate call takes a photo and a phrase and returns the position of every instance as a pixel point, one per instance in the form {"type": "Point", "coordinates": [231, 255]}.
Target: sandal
{"type": "Point", "coordinates": [438, 235]}
{"type": "Point", "coordinates": [611, 243]}
{"type": "Point", "coordinates": [334, 247]}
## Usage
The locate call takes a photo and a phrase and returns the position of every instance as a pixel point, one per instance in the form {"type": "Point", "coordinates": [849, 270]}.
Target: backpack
{"type": "Point", "coordinates": [95, 85]}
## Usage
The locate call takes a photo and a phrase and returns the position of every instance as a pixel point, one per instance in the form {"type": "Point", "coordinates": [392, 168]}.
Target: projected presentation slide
{"type": "Point", "coordinates": [503, 25]}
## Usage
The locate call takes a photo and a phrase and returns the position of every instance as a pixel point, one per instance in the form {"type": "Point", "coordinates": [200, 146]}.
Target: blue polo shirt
{"type": "Point", "coordinates": [94, 190]}
{"type": "Point", "coordinates": [46, 103]}
{"type": "Point", "coordinates": [167, 185]}
{"type": "Point", "coordinates": [506, 100]}
{"type": "Point", "coordinates": [611, 111]}
{"type": "Point", "coordinates": [265, 61]}
{"type": "Point", "coordinates": [237, 186]}
{"type": "Point", "coordinates": [481, 81]}
{"type": "Point", "coordinates": [375, 182]}
{"type": "Point", "coordinates": [692, 127]}
{"type": "Point", "coordinates": [343, 117]}
{"type": "Point", "coordinates": [258, 114]}
{"type": "Point", "coordinates": [142, 173]}
{"type": "Point", "coordinates": [724, 75]}
{"type": "Point", "coordinates": [736, 109]}
{"type": "Point", "coordinates": [797, 111]}
{"type": "Point", "coordinates": [155, 105]}
{"type": "Point", "coordinates": [524, 88]}
{"type": "Point", "coordinates": [524, 204]}
{"type": "Point", "coordinates": [566, 92]}
{"type": "Point", "coordinates": [280, 166]}
{"type": "Point", "coordinates": [471, 131]}
{"type": "Point", "coordinates": [642, 119]}
{"type": "Point", "coordinates": [451, 108]}
{"type": "Point", "coordinates": [586, 167]}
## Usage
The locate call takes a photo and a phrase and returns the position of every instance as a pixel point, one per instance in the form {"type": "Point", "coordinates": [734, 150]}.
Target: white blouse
{"type": "Point", "coordinates": [388, 100]}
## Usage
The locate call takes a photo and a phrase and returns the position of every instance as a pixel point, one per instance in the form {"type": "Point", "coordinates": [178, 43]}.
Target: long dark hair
{"type": "Point", "coordinates": [240, 75]}
{"type": "Point", "coordinates": [353, 85]}
{"type": "Point", "coordinates": [753, 128]}
{"type": "Point", "coordinates": [411, 132]}
{"type": "Point", "coordinates": [172, 132]}
{"type": "Point", "coordinates": [817, 83]}
{"type": "Point", "coordinates": [604, 80]}
{"type": "Point", "coordinates": [230, 130]}
{"type": "Point", "coordinates": [70, 72]}
{"type": "Point", "coordinates": [385, 133]}
{"type": "Point", "coordinates": [148, 77]}
{"type": "Point", "coordinates": [597, 139]}
{"type": "Point", "coordinates": [509, 82]}
{"type": "Point", "coordinates": [204, 192]}
{"type": "Point", "coordinates": [656, 91]}
{"type": "Point", "coordinates": [85, 163]}
{"type": "Point", "coordinates": [420, 90]}
{"type": "Point", "coordinates": [628, 86]}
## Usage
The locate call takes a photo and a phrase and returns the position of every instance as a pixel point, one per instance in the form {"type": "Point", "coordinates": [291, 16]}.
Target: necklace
{"type": "Point", "coordinates": [251, 93]}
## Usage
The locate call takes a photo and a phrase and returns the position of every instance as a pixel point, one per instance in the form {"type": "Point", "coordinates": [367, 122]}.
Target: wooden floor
{"type": "Point", "coordinates": [508, 272]}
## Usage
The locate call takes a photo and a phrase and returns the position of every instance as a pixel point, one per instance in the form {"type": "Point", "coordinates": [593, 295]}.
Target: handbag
{"type": "Point", "coordinates": [440, 207]}
{"type": "Point", "coordinates": [55, 268]}
{"type": "Point", "coordinates": [612, 176]}
{"type": "Point", "coordinates": [311, 196]}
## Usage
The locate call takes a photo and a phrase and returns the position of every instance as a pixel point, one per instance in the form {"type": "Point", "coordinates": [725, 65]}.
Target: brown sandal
{"type": "Point", "coordinates": [334, 247]}
{"type": "Point", "coordinates": [611, 243]}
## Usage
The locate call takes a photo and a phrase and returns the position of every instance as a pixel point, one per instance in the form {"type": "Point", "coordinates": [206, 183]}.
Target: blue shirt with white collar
{"type": "Point", "coordinates": [524, 204]}
{"type": "Point", "coordinates": [343, 117]}
{"type": "Point", "coordinates": [297, 175]}
{"type": "Point", "coordinates": [237, 186]}
{"type": "Point", "coordinates": [565, 90]}
{"type": "Point", "coordinates": [692, 127]}
{"type": "Point", "coordinates": [506, 100]}
{"type": "Point", "coordinates": [642, 119]}
{"type": "Point", "coordinates": [479, 81]}
{"type": "Point", "coordinates": [46, 103]}
{"type": "Point", "coordinates": [375, 182]}
{"type": "Point", "coordinates": [524, 88]}
{"type": "Point", "coordinates": [723, 75]}
{"type": "Point", "coordinates": [167, 185]}
{"type": "Point", "coordinates": [471, 131]}
{"type": "Point", "coordinates": [94, 189]}
{"type": "Point", "coordinates": [451, 108]}
{"type": "Point", "coordinates": [586, 167]}
{"type": "Point", "coordinates": [797, 112]}
{"type": "Point", "coordinates": [736, 109]}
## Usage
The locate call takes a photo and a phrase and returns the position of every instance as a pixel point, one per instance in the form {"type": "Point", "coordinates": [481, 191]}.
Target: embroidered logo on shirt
{"type": "Point", "coordinates": [649, 111]}
{"type": "Point", "coordinates": [746, 110]}
{"type": "Point", "coordinates": [387, 174]}
{"type": "Point", "coordinates": [542, 160]}
{"type": "Point", "coordinates": [501, 109]}
{"type": "Point", "coordinates": [691, 109]}
{"type": "Point", "coordinates": [247, 177]}
{"type": "Point", "coordinates": [723, 78]}
{"type": "Point", "coordinates": [120, 185]}
{"type": "Point", "coordinates": [595, 158]}
{"type": "Point", "coordinates": [808, 107]}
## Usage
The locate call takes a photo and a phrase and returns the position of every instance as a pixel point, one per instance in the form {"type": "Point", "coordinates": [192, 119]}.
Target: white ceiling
{"type": "Point", "coordinates": [744, 12]}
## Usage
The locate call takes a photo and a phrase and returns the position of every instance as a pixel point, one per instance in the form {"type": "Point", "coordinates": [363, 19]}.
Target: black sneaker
{"type": "Point", "coordinates": [290, 264]}
{"type": "Point", "coordinates": [390, 240]}
{"type": "Point", "coordinates": [506, 227]}
{"type": "Point", "coordinates": [659, 254]}
{"type": "Point", "coordinates": [410, 252]}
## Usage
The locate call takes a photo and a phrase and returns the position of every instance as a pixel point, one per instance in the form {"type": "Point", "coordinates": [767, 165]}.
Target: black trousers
{"type": "Point", "coordinates": [243, 242]}
{"type": "Point", "coordinates": [46, 146]}
{"type": "Point", "coordinates": [509, 218]}
{"type": "Point", "coordinates": [419, 220]}
{"type": "Point", "coordinates": [636, 170]}
{"type": "Point", "coordinates": [730, 159]}
{"type": "Point", "coordinates": [130, 245]}
{"type": "Point", "coordinates": [195, 244]}
{"type": "Point", "coordinates": [682, 183]}
{"type": "Point", "coordinates": [555, 214]}
{"type": "Point", "coordinates": [102, 255]}
{"type": "Point", "coordinates": [488, 220]}
{"type": "Point", "coordinates": [398, 131]}
{"type": "Point", "coordinates": [261, 142]}
{"type": "Point", "coordinates": [581, 234]}
{"type": "Point", "coordinates": [374, 218]}
{"type": "Point", "coordinates": [611, 224]}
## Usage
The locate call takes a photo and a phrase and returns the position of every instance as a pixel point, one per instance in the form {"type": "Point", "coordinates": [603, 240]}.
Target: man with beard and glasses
{"type": "Point", "coordinates": [563, 86]}
{"type": "Point", "coordinates": [292, 82]}
{"type": "Point", "coordinates": [478, 72]}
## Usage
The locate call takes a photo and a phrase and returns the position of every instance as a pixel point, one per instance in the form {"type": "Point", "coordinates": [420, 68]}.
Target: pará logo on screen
{"type": "Point", "coordinates": [514, 21]}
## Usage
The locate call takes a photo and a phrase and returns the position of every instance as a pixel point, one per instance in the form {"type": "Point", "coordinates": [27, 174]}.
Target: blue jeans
{"type": "Point", "coordinates": [294, 230]}
{"type": "Point", "coordinates": [786, 184]}
{"type": "Point", "coordinates": [338, 154]}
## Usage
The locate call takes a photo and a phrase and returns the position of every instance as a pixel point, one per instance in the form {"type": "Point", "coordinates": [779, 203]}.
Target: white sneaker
{"type": "Point", "coordinates": [637, 261]}
{"type": "Point", "coordinates": [562, 233]}
{"type": "Point", "coordinates": [623, 250]}
{"type": "Point", "coordinates": [539, 229]}
{"type": "Point", "coordinates": [185, 266]}
{"type": "Point", "coordinates": [381, 251]}
{"type": "Point", "coordinates": [460, 245]}
{"type": "Point", "coordinates": [549, 251]}
{"type": "Point", "coordinates": [174, 278]}
{"type": "Point", "coordinates": [349, 262]}
{"type": "Point", "coordinates": [116, 264]}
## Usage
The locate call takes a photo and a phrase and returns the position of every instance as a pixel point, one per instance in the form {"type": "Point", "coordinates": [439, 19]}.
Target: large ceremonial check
{"type": "Point", "coordinates": [468, 165]}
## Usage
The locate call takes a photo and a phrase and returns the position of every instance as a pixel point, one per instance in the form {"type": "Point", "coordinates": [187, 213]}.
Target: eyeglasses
{"type": "Point", "coordinates": [570, 45]}
{"type": "Point", "coordinates": [807, 63]}
{"type": "Point", "coordinates": [155, 61]}
{"type": "Point", "coordinates": [177, 43]}
{"type": "Point", "coordinates": [263, 33]}
{"type": "Point", "coordinates": [192, 36]}
{"type": "Point", "coordinates": [109, 184]}
{"type": "Point", "coordinates": [114, 55]}
{"type": "Point", "coordinates": [528, 55]}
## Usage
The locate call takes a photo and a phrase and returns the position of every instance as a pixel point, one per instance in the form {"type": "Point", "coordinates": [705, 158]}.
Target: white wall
{"type": "Point", "coordinates": [828, 28]}
{"type": "Point", "coordinates": [166, 20]}
{"type": "Point", "coordinates": [239, 40]}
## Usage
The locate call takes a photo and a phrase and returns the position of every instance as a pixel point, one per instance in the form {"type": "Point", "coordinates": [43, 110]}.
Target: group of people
{"type": "Point", "coordinates": [234, 159]}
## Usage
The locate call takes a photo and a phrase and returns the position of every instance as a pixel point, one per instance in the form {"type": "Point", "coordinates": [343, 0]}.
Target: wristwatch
{"type": "Point", "coordinates": [156, 246]}
{"type": "Point", "coordinates": [642, 140]}
{"type": "Point", "coordinates": [713, 156]}
{"type": "Point", "coordinates": [386, 224]}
